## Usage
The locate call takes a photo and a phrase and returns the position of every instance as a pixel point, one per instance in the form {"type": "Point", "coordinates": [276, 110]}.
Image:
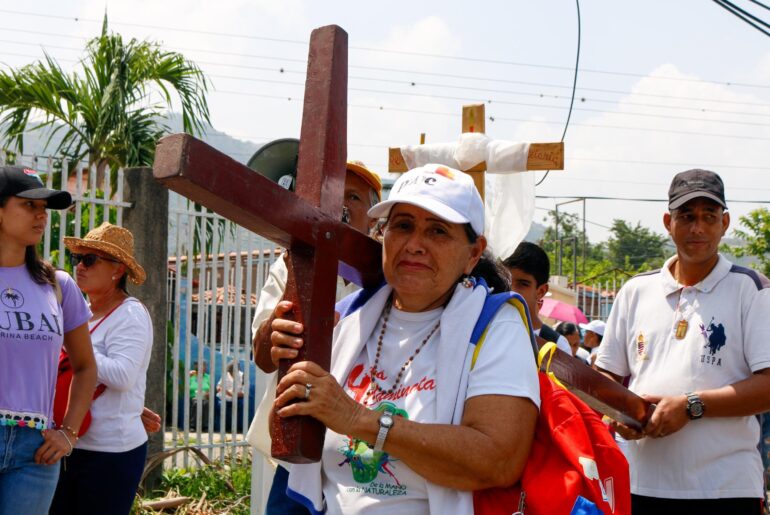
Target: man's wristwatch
{"type": "Point", "coordinates": [695, 406]}
{"type": "Point", "coordinates": [386, 422]}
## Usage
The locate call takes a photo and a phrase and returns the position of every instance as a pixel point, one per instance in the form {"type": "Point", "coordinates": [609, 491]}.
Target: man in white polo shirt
{"type": "Point", "coordinates": [692, 336]}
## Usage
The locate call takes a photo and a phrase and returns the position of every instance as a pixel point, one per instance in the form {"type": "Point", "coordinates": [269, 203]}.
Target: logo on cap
{"type": "Point", "coordinates": [33, 173]}
{"type": "Point", "coordinates": [445, 172]}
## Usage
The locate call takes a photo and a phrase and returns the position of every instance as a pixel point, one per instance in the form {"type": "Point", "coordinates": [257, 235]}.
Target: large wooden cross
{"type": "Point", "coordinates": [306, 222]}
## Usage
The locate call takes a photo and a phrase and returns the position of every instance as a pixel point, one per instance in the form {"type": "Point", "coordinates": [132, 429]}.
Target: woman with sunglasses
{"type": "Point", "coordinates": [41, 309]}
{"type": "Point", "coordinates": [104, 471]}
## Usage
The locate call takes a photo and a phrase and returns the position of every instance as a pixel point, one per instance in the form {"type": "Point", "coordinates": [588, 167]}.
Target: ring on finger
{"type": "Point", "coordinates": [308, 387]}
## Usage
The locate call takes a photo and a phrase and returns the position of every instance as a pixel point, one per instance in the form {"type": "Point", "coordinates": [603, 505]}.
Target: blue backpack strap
{"type": "Point", "coordinates": [492, 305]}
{"type": "Point", "coordinates": [355, 300]}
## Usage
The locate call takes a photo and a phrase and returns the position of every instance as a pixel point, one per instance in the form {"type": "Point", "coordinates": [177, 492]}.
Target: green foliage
{"type": "Point", "coordinates": [635, 248]}
{"type": "Point", "coordinates": [10, 157]}
{"type": "Point", "coordinates": [226, 488]}
{"type": "Point", "coordinates": [570, 238]}
{"type": "Point", "coordinates": [629, 249]}
{"type": "Point", "coordinates": [755, 234]}
{"type": "Point", "coordinates": [107, 114]}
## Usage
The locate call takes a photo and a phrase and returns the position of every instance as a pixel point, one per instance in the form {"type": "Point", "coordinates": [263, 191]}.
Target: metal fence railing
{"type": "Point", "coordinates": [92, 191]}
{"type": "Point", "coordinates": [216, 270]}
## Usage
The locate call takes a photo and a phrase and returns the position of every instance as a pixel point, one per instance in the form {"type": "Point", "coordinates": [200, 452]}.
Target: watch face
{"type": "Point", "coordinates": [386, 420]}
{"type": "Point", "coordinates": [696, 409]}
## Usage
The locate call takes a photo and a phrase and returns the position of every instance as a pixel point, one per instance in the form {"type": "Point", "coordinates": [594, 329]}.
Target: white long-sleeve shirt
{"type": "Point", "coordinates": [122, 346]}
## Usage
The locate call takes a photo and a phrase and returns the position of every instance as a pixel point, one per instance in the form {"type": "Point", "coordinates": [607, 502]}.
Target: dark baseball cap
{"type": "Point", "coordinates": [695, 184]}
{"type": "Point", "coordinates": [18, 181]}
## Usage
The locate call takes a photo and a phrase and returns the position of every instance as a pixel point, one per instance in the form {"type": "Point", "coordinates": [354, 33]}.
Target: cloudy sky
{"type": "Point", "coordinates": [662, 87]}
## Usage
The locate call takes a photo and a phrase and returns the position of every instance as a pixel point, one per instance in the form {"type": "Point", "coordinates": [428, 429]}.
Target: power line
{"type": "Point", "coordinates": [668, 163]}
{"type": "Point", "coordinates": [625, 199]}
{"type": "Point", "coordinates": [760, 4]}
{"type": "Point", "coordinates": [493, 101]}
{"type": "Point", "coordinates": [509, 119]}
{"type": "Point", "coordinates": [742, 15]}
{"type": "Point", "coordinates": [383, 146]}
{"type": "Point", "coordinates": [417, 72]}
{"type": "Point", "coordinates": [657, 184]}
{"type": "Point", "coordinates": [745, 13]}
{"type": "Point", "coordinates": [574, 87]}
{"type": "Point", "coordinates": [388, 51]}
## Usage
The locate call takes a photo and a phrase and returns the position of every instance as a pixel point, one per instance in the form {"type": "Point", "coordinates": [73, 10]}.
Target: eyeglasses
{"type": "Point", "coordinates": [88, 260]}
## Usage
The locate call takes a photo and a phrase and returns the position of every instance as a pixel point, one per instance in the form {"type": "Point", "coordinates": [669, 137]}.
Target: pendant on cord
{"type": "Point", "coordinates": [681, 329]}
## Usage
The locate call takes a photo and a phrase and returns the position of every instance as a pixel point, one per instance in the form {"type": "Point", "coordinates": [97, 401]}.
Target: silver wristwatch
{"type": "Point", "coordinates": [386, 422]}
{"type": "Point", "coordinates": [695, 406]}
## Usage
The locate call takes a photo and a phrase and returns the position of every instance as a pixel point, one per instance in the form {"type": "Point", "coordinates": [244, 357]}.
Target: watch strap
{"type": "Point", "coordinates": [382, 434]}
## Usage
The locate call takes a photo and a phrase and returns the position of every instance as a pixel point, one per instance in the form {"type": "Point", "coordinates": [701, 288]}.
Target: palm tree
{"type": "Point", "coordinates": [112, 113]}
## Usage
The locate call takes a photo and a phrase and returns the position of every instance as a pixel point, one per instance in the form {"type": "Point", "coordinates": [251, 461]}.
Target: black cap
{"type": "Point", "coordinates": [694, 184]}
{"type": "Point", "coordinates": [18, 181]}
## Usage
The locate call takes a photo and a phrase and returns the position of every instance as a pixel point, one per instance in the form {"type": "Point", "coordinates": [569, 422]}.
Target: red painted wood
{"type": "Point", "coordinates": [600, 392]}
{"type": "Point", "coordinates": [203, 174]}
{"type": "Point", "coordinates": [312, 277]}
{"type": "Point", "coordinates": [306, 222]}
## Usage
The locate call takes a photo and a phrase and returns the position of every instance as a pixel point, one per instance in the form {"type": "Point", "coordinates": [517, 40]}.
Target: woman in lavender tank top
{"type": "Point", "coordinates": [41, 310]}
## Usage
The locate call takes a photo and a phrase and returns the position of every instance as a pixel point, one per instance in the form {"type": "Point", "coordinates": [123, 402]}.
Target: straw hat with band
{"type": "Point", "coordinates": [371, 178]}
{"type": "Point", "coordinates": [113, 240]}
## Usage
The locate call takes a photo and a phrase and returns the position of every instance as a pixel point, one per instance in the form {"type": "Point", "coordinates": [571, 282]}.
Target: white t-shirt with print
{"type": "Point", "coordinates": [357, 480]}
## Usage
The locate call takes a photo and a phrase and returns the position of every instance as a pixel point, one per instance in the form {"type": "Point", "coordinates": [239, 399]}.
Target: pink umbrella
{"type": "Point", "coordinates": [562, 311]}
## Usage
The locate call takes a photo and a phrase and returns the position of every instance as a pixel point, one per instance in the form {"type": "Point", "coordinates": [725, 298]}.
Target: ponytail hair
{"type": "Point", "coordinates": [488, 268]}
{"type": "Point", "coordinates": [42, 271]}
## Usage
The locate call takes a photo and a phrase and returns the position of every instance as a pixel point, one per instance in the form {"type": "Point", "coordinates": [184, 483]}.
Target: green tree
{"type": "Point", "coordinates": [569, 239]}
{"type": "Point", "coordinates": [635, 248]}
{"type": "Point", "coordinates": [756, 237]}
{"type": "Point", "coordinates": [111, 114]}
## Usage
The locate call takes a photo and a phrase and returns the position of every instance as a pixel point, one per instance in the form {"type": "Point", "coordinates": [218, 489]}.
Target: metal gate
{"type": "Point", "coordinates": [216, 270]}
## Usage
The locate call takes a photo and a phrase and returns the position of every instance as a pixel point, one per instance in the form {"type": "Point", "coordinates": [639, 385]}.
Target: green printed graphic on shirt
{"type": "Point", "coordinates": [366, 464]}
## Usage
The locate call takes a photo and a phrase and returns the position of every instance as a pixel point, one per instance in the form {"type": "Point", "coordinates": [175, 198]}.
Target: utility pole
{"type": "Point", "coordinates": [558, 239]}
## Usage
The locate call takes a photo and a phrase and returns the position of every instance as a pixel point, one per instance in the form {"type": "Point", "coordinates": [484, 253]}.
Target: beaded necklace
{"type": "Point", "coordinates": [374, 387]}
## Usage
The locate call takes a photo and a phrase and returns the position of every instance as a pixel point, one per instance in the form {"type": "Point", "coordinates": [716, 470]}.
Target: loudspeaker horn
{"type": "Point", "coordinates": [277, 161]}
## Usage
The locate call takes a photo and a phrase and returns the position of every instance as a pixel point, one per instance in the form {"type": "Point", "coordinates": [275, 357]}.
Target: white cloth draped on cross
{"type": "Point", "coordinates": [509, 198]}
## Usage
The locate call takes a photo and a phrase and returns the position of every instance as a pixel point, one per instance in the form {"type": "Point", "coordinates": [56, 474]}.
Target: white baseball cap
{"type": "Point", "coordinates": [595, 326]}
{"type": "Point", "coordinates": [447, 193]}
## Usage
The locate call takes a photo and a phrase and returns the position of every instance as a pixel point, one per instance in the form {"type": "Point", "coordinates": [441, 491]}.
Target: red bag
{"type": "Point", "coordinates": [574, 465]}
{"type": "Point", "coordinates": [61, 399]}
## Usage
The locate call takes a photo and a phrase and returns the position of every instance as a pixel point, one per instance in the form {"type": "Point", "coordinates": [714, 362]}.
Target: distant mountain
{"type": "Point", "coordinates": [241, 151]}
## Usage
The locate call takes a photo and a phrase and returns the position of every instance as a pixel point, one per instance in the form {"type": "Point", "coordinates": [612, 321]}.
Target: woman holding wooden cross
{"type": "Point", "coordinates": [411, 425]}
